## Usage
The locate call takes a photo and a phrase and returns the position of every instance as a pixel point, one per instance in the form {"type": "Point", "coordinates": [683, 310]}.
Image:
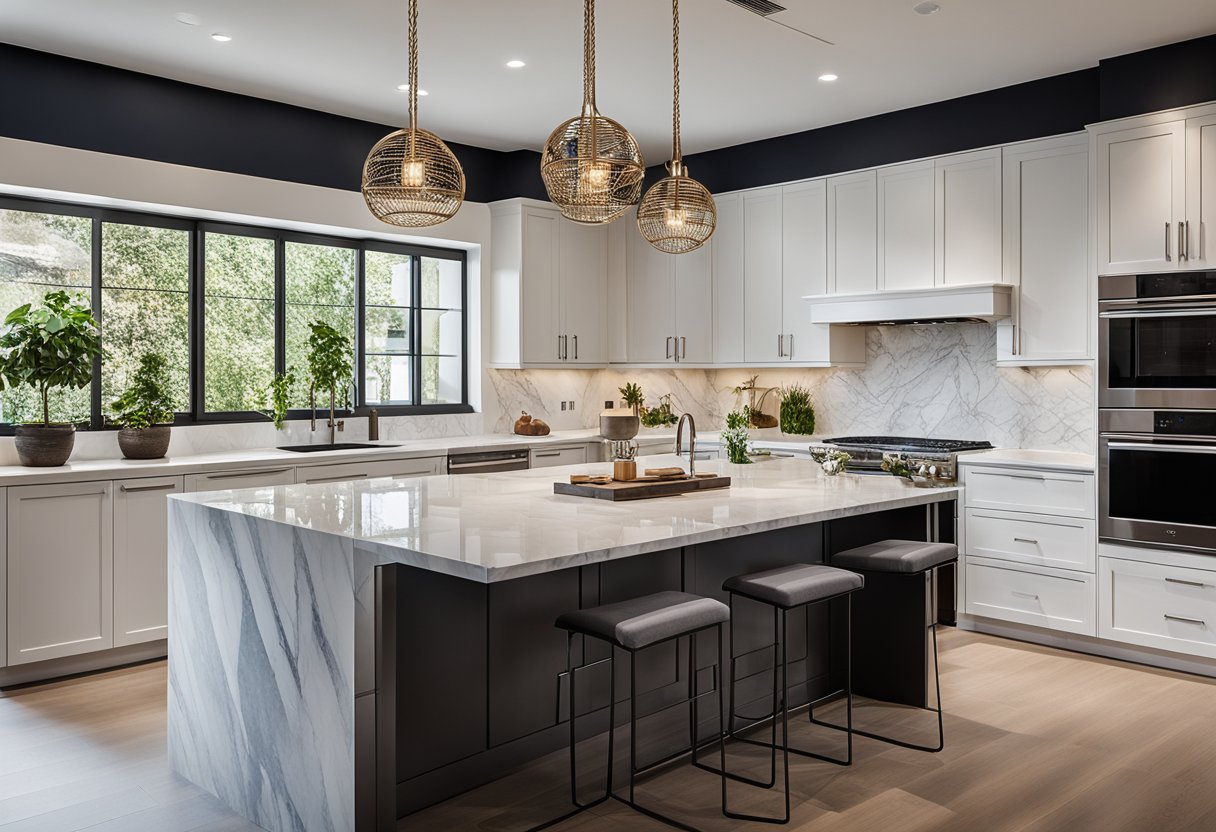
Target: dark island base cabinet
{"type": "Point", "coordinates": [494, 692]}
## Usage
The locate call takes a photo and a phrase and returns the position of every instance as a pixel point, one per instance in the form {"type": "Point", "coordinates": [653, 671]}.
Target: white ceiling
{"type": "Point", "coordinates": [744, 77]}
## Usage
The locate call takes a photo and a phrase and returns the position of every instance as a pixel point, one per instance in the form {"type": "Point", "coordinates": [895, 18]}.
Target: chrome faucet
{"type": "Point", "coordinates": [692, 442]}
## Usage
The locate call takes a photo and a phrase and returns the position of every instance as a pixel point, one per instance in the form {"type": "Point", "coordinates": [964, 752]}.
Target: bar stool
{"type": "Point", "coordinates": [632, 626]}
{"type": "Point", "coordinates": [784, 589]}
{"type": "Point", "coordinates": [912, 558]}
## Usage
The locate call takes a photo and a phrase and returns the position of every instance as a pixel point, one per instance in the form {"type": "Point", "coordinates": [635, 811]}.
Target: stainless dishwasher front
{"type": "Point", "coordinates": [487, 462]}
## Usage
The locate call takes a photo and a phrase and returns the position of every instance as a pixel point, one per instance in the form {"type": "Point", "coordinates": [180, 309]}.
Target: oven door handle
{"type": "Point", "coordinates": [1169, 449]}
{"type": "Point", "coordinates": [1174, 312]}
{"type": "Point", "coordinates": [1174, 302]}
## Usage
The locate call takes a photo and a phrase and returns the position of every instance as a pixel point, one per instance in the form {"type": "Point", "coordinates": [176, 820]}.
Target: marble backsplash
{"type": "Point", "coordinates": [939, 381]}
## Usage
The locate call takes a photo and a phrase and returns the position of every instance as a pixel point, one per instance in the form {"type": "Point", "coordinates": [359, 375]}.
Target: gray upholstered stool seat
{"type": "Point", "coordinates": [903, 556]}
{"type": "Point", "coordinates": [796, 585]}
{"type": "Point", "coordinates": [647, 620]}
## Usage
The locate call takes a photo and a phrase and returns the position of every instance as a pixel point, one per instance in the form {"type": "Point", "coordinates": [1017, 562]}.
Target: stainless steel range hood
{"type": "Point", "coordinates": [980, 302]}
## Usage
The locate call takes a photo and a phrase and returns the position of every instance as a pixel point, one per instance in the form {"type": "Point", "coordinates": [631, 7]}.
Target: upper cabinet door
{"type": "Point", "coordinates": [762, 276]}
{"type": "Point", "coordinates": [652, 300]}
{"type": "Point", "coordinates": [804, 262]}
{"type": "Point", "coordinates": [1141, 197]}
{"type": "Point", "coordinates": [584, 292]}
{"type": "Point", "coordinates": [695, 305]}
{"type": "Point", "coordinates": [540, 267]}
{"type": "Point", "coordinates": [905, 226]}
{"type": "Point", "coordinates": [853, 232]}
{"type": "Point", "coordinates": [968, 218]}
{"type": "Point", "coordinates": [728, 255]}
{"type": "Point", "coordinates": [1200, 229]}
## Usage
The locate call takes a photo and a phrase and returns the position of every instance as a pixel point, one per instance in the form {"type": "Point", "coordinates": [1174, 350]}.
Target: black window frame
{"type": "Point", "coordinates": [196, 413]}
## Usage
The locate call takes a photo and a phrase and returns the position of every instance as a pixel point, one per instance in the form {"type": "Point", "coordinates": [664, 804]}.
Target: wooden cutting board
{"type": "Point", "coordinates": [640, 489]}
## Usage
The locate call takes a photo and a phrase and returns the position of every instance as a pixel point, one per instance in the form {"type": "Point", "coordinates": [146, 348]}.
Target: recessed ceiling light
{"type": "Point", "coordinates": [926, 8]}
{"type": "Point", "coordinates": [221, 37]}
{"type": "Point", "coordinates": [406, 88]}
{"type": "Point", "coordinates": [187, 18]}
{"type": "Point", "coordinates": [828, 77]}
{"type": "Point", "coordinates": [516, 64]}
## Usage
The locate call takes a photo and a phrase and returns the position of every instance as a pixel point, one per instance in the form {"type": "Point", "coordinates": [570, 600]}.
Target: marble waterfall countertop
{"type": "Point", "coordinates": [494, 527]}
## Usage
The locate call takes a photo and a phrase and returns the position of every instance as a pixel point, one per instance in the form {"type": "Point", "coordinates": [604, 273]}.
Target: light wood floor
{"type": "Point", "coordinates": [1036, 739]}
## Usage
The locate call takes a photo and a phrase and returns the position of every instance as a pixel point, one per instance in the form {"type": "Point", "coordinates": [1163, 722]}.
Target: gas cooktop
{"type": "Point", "coordinates": [912, 444]}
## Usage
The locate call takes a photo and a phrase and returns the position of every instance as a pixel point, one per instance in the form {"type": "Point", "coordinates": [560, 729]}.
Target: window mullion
{"type": "Point", "coordinates": [360, 379]}
{"type": "Point", "coordinates": [280, 305]}
{"type": "Point", "coordinates": [95, 420]}
{"type": "Point", "coordinates": [416, 329]}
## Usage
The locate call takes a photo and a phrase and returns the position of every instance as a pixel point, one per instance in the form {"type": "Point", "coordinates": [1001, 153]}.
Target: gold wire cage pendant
{"type": "Point", "coordinates": [678, 214]}
{"type": "Point", "coordinates": [591, 165]}
{"type": "Point", "coordinates": [411, 178]}
{"type": "Point", "coordinates": [412, 182]}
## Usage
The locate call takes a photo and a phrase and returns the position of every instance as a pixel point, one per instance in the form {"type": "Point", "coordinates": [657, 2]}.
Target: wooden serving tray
{"type": "Point", "coordinates": [640, 489]}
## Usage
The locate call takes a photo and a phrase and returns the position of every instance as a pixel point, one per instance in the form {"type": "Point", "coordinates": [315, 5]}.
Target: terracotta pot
{"type": "Point", "coordinates": [144, 443]}
{"type": "Point", "coordinates": [45, 446]}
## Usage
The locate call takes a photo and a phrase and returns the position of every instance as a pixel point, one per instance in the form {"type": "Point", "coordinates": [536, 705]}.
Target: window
{"type": "Point", "coordinates": [230, 305]}
{"type": "Point", "coordinates": [145, 305]}
{"type": "Point", "coordinates": [39, 253]}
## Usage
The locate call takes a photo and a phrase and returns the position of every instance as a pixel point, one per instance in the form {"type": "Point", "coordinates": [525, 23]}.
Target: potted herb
{"type": "Point", "coordinates": [735, 436]}
{"type": "Point", "coordinates": [662, 416]}
{"type": "Point", "coordinates": [144, 412]}
{"type": "Point", "coordinates": [330, 367]}
{"type": "Point", "coordinates": [797, 413]}
{"type": "Point", "coordinates": [279, 394]}
{"type": "Point", "coordinates": [631, 394]}
{"type": "Point", "coordinates": [48, 347]}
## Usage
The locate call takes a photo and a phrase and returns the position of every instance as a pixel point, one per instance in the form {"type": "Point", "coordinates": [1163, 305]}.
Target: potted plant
{"type": "Point", "coordinates": [663, 416]}
{"type": "Point", "coordinates": [330, 367]}
{"type": "Point", "coordinates": [797, 412]}
{"type": "Point", "coordinates": [48, 347]}
{"type": "Point", "coordinates": [279, 394]}
{"type": "Point", "coordinates": [144, 412]}
{"type": "Point", "coordinates": [631, 394]}
{"type": "Point", "coordinates": [735, 436]}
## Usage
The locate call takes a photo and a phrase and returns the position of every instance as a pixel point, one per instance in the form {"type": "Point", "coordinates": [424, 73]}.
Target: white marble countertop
{"type": "Point", "coordinates": [117, 468]}
{"type": "Point", "coordinates": [1030, 458]}
{"type": "Point", "coordinates": [493, 527]}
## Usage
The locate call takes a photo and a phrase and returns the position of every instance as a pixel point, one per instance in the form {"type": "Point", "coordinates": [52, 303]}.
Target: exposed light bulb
{"type": "Point", "coordinates": [675, 218]}
{"type": "Point", "coordinates": [413, 173]}
{"type": "Point", "coordinates": [595, 176]}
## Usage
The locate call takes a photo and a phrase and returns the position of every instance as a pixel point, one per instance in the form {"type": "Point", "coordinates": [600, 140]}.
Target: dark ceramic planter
{"type": "Point", "coordinates": [42, 446]}
{"type": "Point", "coordinates": [144, 443]}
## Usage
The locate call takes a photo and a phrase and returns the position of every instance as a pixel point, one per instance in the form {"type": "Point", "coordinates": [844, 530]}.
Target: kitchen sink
{"type": "Point", "coordinates": [337, 446]}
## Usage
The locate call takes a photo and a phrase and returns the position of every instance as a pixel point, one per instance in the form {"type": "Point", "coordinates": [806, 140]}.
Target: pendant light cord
{"type": "Point", "coordinates": [675, 87]}
{"type": "Point", "coordinates": [589, 53]}
{"type": "Point", "coordinates": [413, 23]}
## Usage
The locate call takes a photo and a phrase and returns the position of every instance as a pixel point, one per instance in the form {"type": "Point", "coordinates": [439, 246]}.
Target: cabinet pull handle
{"type": "Point", "coordinates": [1029, 540]}
{"type": "Point", "coordinates": [247, 474]}
{"type": "Point", "coordinates": [683, 348]}
{"type": "Point", "coordinates": [790, 352]}
{"type": "Point", "coordinates": [576, 348]}
{"type": "Point", "coordinates": [1027, 476]}
{"type": "Point", "coordinates": [1029, 595]}
{"type": "Point", "coordinates": [1182, 241]}
{"type": "Point", "coordinates": [543, 456]}
{"type": "Point", "coordinates": [1186, 240]}
{"type": "Point", "coordinates": [1167, 242]}
{"type": "Point", "coordinates": [669, 340]}
{"type": "Point", "coordinates": [1185, 620]}
{"type": "Point", "coordinates": [559, 348]}
{"type": "Point", "coordinates": [1184, 583]}
{"type": "Point", "coordinates": [135, 489]}
{"type": "Point", "coordinates": [780, 345]}
{"type": "Point", "coordinates": [336, 479]}
{"type": "Point", "coordinates": [404, 475]}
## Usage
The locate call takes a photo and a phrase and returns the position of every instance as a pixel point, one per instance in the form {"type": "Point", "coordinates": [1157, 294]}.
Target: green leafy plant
{"type": "Point", "coordinates": [661, 416]}
{"type": "Point", "coordinates": [49, 346]}
{"type": "Point", "coordinates": [330, 361]}
{"type": "Point", "coordinates": [895, 466]}
{"type": "Point", "coordinates": [147, 401]}
{"type": "Point", "coordinates": [279, 393]}
{"type": "Point", "coordinates": [631, 393]}
{"type": "Point", "coordinates": [797, 412]}
{"type": "Point", "coordinates": [832, 460]}
{"type": "Point", "coordinates": [735, 436]}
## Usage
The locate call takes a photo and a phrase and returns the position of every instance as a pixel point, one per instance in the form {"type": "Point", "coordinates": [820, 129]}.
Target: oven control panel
{"type": "Point", "coordinates": [1184, 422]}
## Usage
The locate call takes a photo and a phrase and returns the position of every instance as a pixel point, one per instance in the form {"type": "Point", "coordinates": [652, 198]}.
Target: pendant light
{"type": "Point", "coordinates": [678, 214]}
{"type": "Point", "coordinates": [411, 178]}
{"type": "Point", "coordinates": [591, 165]}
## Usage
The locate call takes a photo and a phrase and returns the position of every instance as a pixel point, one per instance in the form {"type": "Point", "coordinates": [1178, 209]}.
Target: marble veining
{"type": "Point", "coordinates": [496, 527]}
{"type": "Point", "coordinates": [261, 667]}
{"type": "Point", "coordinates": [938, 381]}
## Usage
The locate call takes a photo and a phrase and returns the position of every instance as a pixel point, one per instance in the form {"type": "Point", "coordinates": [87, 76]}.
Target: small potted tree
{"type": "Point", "coordinates": [144, 412]}
{"type": "Point", "coordinates": [330, 368]}
{"type": "Point", "coordinates": [48, 347]}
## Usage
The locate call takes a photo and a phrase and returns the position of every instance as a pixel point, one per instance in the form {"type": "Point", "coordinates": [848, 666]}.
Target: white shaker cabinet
{"type": "Point", "coordinates": [967, 222]}
{"type": "Point", "coordinates": [763, 328]}
{"type": "Point", "coordinates": [1200, 230]}
{"type": "Point", "coordinates": [1046, 193]}
{"type": "Point", "coordinates": [852, 228]}
{"type": "Point", "coordinates": [60, 570]}
{"type": "Point", "coordinates": [670, 302]}
{"type": "Point", "coordinates": [728, 247]}
{"type": "Point", "coordinates": [398, 469]}
{"type": "Point", "coordinates": [583, 292]}
{"type": "Point", "coordinates": [1141, 197]}
{"type": "Point", "coordinates": [141, 559]}
{"type": "Point", "coordinates": [695, 305]}
{"type": "Point", "coordinates": [905, 226]}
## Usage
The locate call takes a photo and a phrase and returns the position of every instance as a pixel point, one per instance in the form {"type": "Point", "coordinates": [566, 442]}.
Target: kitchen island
{"type": "Point", "coordinates": [342, 654]}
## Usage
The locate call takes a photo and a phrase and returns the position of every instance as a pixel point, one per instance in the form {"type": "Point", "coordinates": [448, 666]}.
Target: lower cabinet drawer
{"type": "Point", "coordinates": [553, 457]}
{"type": "Point", "coordinates": [1034, 595]}
{"type": "Point", "coordinates": [1153, 605]}
{"type": "Point", "coordinates": [1060, 542]}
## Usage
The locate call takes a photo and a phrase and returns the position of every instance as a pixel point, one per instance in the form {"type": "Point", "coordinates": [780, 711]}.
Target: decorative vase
{"type": "Point", "coordinates": [144, 443]}
{"type": "Point", "coordinates": [45, 446]}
